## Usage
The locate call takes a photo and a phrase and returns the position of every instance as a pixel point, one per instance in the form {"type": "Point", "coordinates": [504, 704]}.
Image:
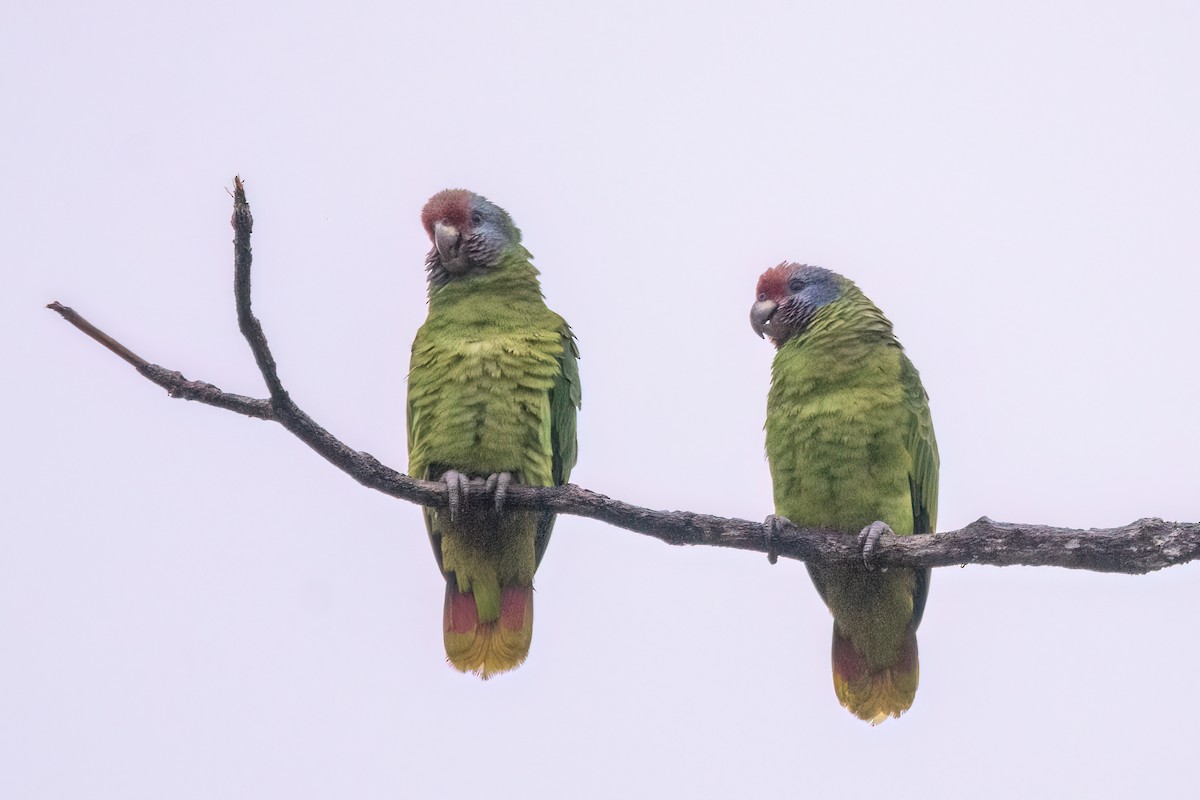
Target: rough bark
{"type": "Point", "coordinates": [1139, 547]}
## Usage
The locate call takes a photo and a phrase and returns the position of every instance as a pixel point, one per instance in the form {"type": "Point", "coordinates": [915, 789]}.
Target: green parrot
{"type": "Point", "coordinates": [493, 388]}
{"type": "Point", "coordinates": [850, 445]}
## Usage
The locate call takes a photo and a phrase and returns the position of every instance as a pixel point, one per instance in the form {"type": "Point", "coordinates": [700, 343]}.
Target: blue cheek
{"type": "Point", "coordinates": [493, 237]}
{"type": "Point", "coordinates": [819, 294]}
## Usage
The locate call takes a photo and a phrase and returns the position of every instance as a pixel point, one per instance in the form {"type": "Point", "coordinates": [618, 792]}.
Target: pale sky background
{"type": "Point", "coordinates": [194, 605]}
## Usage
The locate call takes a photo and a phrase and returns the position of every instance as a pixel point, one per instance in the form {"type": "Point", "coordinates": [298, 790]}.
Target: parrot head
{"type": "Point", "coordinates": [470, 234]}
{"type": "Point", "coordinates": [789, 297]}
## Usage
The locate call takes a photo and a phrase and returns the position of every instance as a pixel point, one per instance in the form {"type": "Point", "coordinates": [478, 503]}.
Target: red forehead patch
{"type": "Point", "coordinates": [451, 205]}
{"type": "Point", "coordinates": [773, 284]}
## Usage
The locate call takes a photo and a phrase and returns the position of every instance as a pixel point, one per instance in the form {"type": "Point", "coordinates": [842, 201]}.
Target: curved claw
{"type": "Point", "coordinates": [868, 540]}
{"type": "Point", "coordinates": [458, 490]}
{"type": "Point", "coordinates": [498, 483]}
{"type": "Point", "coordinates": [773, 524]}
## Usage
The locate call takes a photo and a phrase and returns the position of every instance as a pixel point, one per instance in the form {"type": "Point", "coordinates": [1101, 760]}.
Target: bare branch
{"type": "Point", "coordinates": [175, 384]}
{"type": "Point", "coordinates": [1142, 546]}
{"type": "Point", "coordinates": [243, 224]}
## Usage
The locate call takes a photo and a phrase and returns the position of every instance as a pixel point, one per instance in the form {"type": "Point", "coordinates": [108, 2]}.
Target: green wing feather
{"type": "Point", "coordinates": [923, 474]}
{"type": "Point", "coordinates": [413, 423]}
{"type": "Point", "coordinates": [565, 399]}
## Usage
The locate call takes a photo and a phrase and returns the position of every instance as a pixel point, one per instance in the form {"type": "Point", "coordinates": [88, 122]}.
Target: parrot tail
{"type": "Point", "coordinates": [874, 695]}
{"type": "Point", "coordinates": [488, 648]}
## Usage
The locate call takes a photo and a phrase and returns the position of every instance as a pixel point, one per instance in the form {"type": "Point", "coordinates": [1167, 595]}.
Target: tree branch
{"type": "Point", "coordinates": [1139, 547]}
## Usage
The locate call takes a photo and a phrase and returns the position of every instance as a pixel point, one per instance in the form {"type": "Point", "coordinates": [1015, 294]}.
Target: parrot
{"type": "Point", "coordinates": [493, 390]}
{"type": "Point", "coordinates": [850, 446]}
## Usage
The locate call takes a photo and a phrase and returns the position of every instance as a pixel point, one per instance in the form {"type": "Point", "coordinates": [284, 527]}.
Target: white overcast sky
{"type": "Point", "coordinates": [194, 605]}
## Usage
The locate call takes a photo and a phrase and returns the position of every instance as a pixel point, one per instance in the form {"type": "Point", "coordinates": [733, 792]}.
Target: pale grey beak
{"type": "Point", "coordinates": [448, 241]}
{"type": "Point", "coordinates": [760, 317]}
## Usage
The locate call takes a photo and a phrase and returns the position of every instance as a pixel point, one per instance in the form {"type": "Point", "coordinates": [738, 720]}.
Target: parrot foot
{"type": "Point", "coordinates": [868, 540]}
{"type": "Point", "coordinates": [458, 489]}
{"type": "Point", "coordinates": [497, 484]}
{"type": "Point", "coordinates": [773, 524]}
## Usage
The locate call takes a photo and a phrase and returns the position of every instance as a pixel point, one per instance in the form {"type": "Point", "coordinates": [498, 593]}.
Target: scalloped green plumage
{"type": "Point", "coordinates": [850, 441]}
{"type": "Point", "coordinates": [493, 387]}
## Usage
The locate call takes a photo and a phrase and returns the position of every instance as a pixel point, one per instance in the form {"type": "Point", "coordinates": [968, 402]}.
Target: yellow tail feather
{"type": "Point", "coordinates": [491, 647]}
{"type": "Point", "coordinates": [874, 695]}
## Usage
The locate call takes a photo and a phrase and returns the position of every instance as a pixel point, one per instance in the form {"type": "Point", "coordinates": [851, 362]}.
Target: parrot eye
{"type": "Point", "coordinates": [762, 296]}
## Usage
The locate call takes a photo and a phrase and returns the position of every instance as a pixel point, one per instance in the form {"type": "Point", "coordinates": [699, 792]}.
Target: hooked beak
{"type": "Point", "coordinates": [448, 242]}
{"type": "Point", "coordinates": [760, 317]}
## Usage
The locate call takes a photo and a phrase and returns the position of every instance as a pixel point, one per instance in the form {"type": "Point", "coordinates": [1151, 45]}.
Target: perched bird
{"type": "Point", "coordinates": [493, 387]}
{"type": "Point", "coordinates": [851, 448]}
